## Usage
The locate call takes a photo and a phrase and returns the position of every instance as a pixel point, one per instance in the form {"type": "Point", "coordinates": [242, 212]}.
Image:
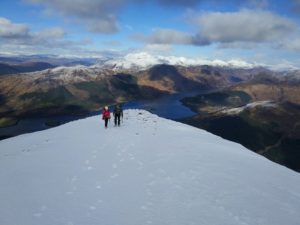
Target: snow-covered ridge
{"type": "Point", "coordinates": [144, 60]}
{"type": "Point", "coordinates": [148, 171]}
{"type": "Point", "coordinates": [138, 61]}
{"type": "Point", "coordinates": [133, 61]}
{"type": "Point", "coordinates": [79, 73]}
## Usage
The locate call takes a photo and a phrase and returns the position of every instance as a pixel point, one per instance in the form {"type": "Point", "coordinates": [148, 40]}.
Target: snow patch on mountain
{"type": "Point", "coordinates": [238, 110]}
{"type": "Point", "coordinates": [148, 171]}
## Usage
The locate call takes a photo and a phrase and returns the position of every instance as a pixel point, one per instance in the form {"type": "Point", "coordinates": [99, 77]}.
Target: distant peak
{"type": "Point", "coordinates": [144, 60]}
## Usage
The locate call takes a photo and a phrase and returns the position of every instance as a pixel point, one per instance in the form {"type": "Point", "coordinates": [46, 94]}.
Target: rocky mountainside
{"type": "Point", "coordinates": [89, 87]}
{"type": "Point", "coordinates": [263, 114]}
{"type": "Point", "coordinates": [23, 67]}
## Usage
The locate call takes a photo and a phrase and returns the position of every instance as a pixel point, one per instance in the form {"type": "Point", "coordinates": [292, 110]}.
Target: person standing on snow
{"type": "Point", "coordinates": [106, 115]}
{"type": "Point", "coordinates": [118, 113]}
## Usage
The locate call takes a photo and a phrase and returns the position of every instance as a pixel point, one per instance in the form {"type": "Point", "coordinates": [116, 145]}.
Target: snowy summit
{"type": "Point", "coordinates": [144, 60]}
{"type": "Point", "coordinates": [148, 171]}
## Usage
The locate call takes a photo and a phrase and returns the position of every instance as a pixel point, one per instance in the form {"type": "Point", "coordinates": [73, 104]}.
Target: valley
{"type": "Point", "coordinates": [81, 89]}
{"type": "Point", "coordinates": [256, 107]}
{"type": "Point", "coordinates": [262, 116]}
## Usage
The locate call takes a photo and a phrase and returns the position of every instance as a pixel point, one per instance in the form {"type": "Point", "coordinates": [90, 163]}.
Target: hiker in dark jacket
{"type": "Point", "coordinates": [106, 115]}
{"type": "Point", "coordinates": [118, 113]}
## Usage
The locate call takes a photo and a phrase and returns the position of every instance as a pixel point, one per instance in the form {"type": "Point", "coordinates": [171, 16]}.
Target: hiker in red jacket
{"type": "Point", "coordinates": [106, 115]}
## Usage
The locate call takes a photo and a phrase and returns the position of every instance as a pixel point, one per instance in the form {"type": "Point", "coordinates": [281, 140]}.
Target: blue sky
{"type": "Point", "coordinates": [261, 31]}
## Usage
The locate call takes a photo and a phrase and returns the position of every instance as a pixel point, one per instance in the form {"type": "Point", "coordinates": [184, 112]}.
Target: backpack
{"type": "Point", "coordinates": [118, 110]}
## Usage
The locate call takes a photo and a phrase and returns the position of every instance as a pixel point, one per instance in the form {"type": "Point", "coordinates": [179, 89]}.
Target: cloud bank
{"type": "Point", "coordinates": [97, 16]}
{"type": "Point", "coordinates": [9, 30]}
{"type": "Point", "coordinates": [243, 26]}
{"type": "Point", "coordinates": [101, 16]}
{"type": "Point", "coordinates": [15, 37]}
{"type": "Point", "coordinates": [228, 29]}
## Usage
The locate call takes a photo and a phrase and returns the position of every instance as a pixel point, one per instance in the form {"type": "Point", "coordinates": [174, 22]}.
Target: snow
{"type": "Point", "coordinates": [144, 60]}
{"type": "Point", "coordinates": [148, 171]}
{"type": "Point", "coordinates": [66, 74]}
{"type": "Point", "coordinates": [237, 110]}
{"type": "Point", "coordinates": [262, 104]}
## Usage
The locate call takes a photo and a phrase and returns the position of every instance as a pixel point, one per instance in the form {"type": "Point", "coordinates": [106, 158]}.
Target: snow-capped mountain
{"type": "Point", "coordinates": [144, 60]}
{"type": "Point", "coordinates": [148, 171]}
{"type": "Point", "coordinates": [71, 74]}
{"type": "Point", "coordinates": [133, 62]}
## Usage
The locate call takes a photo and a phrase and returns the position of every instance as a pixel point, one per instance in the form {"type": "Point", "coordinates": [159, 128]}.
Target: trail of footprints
{"type": "Point", "coordinates": [123, 155]}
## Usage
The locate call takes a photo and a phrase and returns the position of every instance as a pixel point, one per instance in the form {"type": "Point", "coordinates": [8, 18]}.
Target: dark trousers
{"type": "Point", "coordinates": [106, 122]}
{"type": "Point", "coordinates": [117, 119]}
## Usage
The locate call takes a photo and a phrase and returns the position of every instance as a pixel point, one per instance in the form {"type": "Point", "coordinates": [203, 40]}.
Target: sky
{"type": "Point", "coordinates": [261, 31]}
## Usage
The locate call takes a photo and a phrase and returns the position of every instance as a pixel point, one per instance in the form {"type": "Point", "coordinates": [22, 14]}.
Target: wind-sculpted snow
{"type": "Point", "coordinates": [148, 171]}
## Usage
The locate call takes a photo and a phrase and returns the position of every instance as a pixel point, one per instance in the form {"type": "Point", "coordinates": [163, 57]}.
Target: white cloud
{"type": "Point", "coordinates": [12, 30]}
{"type": "Point", "coordinates": [290, 44]}
{"type": "Point", "coordinates": [158, 48]}
{"type": "Point", "coordinates": [165, 36]}
{"type": "Point", "coordinates": [19, 38]}
{"type": "Point", "coordinates": [101, 16]}
{"type": "Point", "coordinates": [241, 29]}
{"type": "Point", "coordinates": [97, 16]}
{"type": "Point", "coordinates": [238, 45]}
{"type": "Point", "coordinates": [243, 26]}
{"type": "Point", "coordinates": [51, 33]}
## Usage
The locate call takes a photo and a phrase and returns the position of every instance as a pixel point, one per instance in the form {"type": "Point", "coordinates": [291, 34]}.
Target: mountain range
{"type": "Point", "coordinates": [253, 105]}
{"type": "Point", "coordinates": [23, 67]}
{"type": "Point", "coordinates": [89, 87]}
